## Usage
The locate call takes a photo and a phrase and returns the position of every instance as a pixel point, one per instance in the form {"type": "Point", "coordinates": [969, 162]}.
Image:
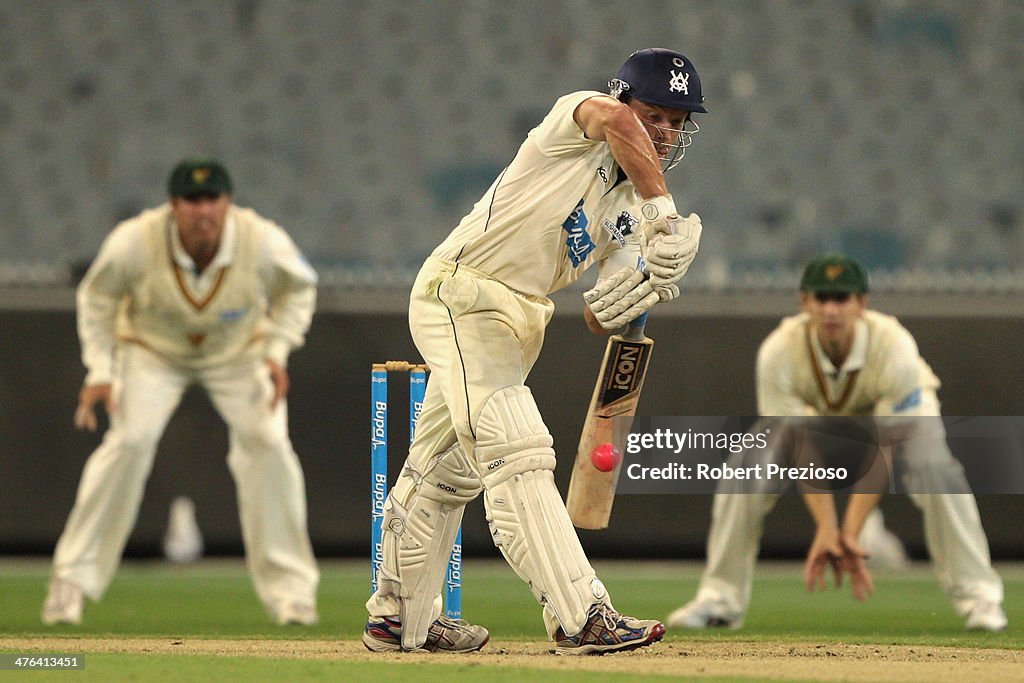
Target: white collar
{"type": "Point", "coordinates": [854, 360]}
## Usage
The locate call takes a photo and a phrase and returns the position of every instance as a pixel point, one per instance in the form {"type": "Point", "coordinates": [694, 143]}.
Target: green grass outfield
{"type": "Point", "coordinates": [213, 599]}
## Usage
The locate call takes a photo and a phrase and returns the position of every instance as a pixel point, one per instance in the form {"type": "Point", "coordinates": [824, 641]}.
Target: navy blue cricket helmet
{"type": "Point", "coordinates": [662, 77]}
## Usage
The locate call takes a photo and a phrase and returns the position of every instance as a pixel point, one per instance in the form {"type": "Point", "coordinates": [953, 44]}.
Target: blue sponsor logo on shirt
{"type": "Point", "coordinates": [912, 400]}
{"type": "Point", "coordinates": [578, 242]}
{"type": "Point", "coordinates": [232, 315]}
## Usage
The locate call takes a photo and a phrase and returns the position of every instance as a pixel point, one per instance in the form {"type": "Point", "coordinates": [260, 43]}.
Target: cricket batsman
{"type": "Point", "coordinates": [586, 187]}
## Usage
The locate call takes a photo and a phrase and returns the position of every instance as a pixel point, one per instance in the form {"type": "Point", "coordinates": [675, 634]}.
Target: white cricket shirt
{"type": "Point", "coordinates": [257, 296]}
{"type": "Point", "coordinates": [883, 375]}
{"type": "Point", "coordinates": [556, 209]}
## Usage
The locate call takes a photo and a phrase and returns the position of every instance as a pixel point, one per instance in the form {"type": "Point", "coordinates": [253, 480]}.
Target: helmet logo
{"type": "Point", "coordinates": [679, 82]}
{"type": "Point", "coordinates": [617, 87]}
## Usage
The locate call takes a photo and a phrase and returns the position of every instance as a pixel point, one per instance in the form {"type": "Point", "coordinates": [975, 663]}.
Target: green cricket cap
{"type": "Point", "coordinates": [834, 273]}
{"type": "Point", "coordinates": [199, 175]}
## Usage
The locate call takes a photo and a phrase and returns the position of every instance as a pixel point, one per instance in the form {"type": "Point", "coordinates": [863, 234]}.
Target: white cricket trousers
{"type": "Point", "coordinates": [496, 341]}
{"type": "Point", "coordinates": [270, 488]}
{"type": "Point", "coordinates": [952, 529]}
{"type": "Point", "coordinates": [477, 336]}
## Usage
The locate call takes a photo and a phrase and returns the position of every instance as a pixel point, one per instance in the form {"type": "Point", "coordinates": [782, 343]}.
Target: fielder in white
{"type": "Point", "coordinates": [197, 291]}
{"type": "Point", "coordinates": [586, 187]}
{"type": "Point", "coordinates": [839, 358]}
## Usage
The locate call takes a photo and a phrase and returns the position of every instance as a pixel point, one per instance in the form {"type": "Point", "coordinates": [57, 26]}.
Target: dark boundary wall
{"type": "Point", "coordinates": [702, 365]}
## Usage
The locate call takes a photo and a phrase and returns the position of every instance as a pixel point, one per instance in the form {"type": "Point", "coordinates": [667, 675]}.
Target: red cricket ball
{"type": "Point", "coordinates": [606, 457]}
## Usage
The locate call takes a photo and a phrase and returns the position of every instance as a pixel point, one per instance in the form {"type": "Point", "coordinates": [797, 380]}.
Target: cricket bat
{"type": "Point", "coordinates": [591, 491]}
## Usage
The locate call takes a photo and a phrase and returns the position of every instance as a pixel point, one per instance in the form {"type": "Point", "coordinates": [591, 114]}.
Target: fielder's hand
{"type": "Point", "coordinates": [88, 397]}
{"type": "Point", "coordinates": [279, 376]}
{"type": "Point", "coordinates": [843, 554]}
{"type": "Point", "coordinates": [621, 298]}
{"type": "Point", "coordinates": [854, 562]}
{"type": "Point", "coordinates": [825, 551]}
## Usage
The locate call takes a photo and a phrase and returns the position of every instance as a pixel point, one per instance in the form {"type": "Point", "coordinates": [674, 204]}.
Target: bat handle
{"type": "Point", "coordinates": [635, 329]}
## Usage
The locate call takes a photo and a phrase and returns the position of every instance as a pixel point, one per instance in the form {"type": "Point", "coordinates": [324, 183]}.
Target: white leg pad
{"type": "Point", "coordinates": [511, 436]}
{"type": "Point", "coordinates": [530, 526]}
{"type": "Point", "coordinates": [527, 517]}
{"type": "Point", "coordinates": [421, 519]}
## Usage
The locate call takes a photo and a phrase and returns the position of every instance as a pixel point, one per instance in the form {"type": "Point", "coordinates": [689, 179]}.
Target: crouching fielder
{"type": "Point", "coordinates": [838, 357]}
{"type": "Point", "coordinates": [587, 186]}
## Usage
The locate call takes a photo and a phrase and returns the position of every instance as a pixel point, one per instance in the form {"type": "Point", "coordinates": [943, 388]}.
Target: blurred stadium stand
{"type": "Point", "coordinates": [888, 128]}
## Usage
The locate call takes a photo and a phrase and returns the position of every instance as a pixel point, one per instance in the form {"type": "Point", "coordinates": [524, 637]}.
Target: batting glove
{"type": "Point", "coordinates": [666, 292]}
{"type": "Point", "coordinates": [668, 257]}
{"type": "Point", "coordinates": [655, 214]}
{"type": "Point", "coordinates": [621, 298]}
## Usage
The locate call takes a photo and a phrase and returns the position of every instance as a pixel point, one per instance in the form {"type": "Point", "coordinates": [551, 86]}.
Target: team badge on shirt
{"type": "Point", "coordinates": [621, 228]}
{"type": "Point", "coordinates": [911, 400]}
{"type": "Point", "coordinates": [230, 316]}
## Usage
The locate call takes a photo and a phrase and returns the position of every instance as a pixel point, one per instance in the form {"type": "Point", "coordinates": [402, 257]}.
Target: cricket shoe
{"type": "Point", "coordinates": [445, 635]}
{"type": "Point", "coordinates": [884, 548]}
{"type": "Point", "coordinates": [986, 616]}
{"type": "Point", "coordinates": [296, 614]}
{"type": "Point", "coordinates": [608, 631]}
{"type": "Point", "coordinates": [63, 604]}
{"type": "Point", "coordinates": [703, 613]}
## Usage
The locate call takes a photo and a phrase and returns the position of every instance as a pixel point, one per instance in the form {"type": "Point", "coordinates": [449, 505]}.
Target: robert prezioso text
{"type": "Point", "coordinates": [704, 471]}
